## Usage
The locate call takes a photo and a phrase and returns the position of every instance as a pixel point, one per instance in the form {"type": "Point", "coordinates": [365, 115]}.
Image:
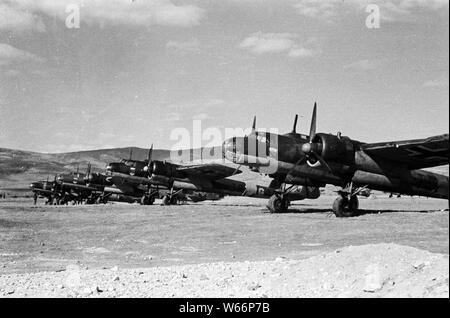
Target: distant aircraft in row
{"type": "Point", "coordinates": [144, 181]}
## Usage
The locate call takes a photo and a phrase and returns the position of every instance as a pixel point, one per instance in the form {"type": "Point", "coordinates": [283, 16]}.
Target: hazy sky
{"type": "Point", "coordinates": [136, 70]}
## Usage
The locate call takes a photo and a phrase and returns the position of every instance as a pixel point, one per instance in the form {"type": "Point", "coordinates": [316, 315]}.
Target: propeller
{"type": "Point", "coordinates": [131, 152]}
{"type": "Point", "coordinates": [294, 128]}
{"type": "Point", "coordinates": [312, 129]}
{"type": "Point", "coordinates": [254, 126]}
{"type": "Point", "coordinates": [88, 172]}
{"type": "Point", "coordinates": [150, 153]}
{"type": "Point", "coordinates": [149, 160]}
{"type": "Point", "coordinates": [313, 149]}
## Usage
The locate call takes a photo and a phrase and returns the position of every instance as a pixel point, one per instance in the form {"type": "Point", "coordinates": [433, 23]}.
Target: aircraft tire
{"type": "Point", "coordinates": [344, 207]}
{"type": "Point", "coordinates": [146, 200]}
{"type": "Point", "coordinates": [166, 200]}
{"type": "Point", "coordinates": [173, 200]}
{"type": "Point", "coordinates": [277, 205]}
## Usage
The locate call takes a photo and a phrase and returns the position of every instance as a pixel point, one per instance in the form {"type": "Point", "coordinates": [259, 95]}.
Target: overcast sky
{"type": "Point", "coordinates": [135, 70]}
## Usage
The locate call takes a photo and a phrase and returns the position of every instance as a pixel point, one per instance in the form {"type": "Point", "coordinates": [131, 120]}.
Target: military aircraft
{"type": "Point", "coordinates": [131, 176]}
{"type": "Point", "coordinates": [42, 189]}
{"type": "Point", "coordinates": [106, 187]}
{"type": "Point", "coordinates": [73, 187]}
{"type": "Point", "coordinates": [354, 166]}
{"type": "Point", "coordinates": [89, 188]}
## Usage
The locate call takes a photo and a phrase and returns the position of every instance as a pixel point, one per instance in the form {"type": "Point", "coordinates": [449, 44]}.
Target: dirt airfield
{"type": "Point", "coordinates": [397, 247]}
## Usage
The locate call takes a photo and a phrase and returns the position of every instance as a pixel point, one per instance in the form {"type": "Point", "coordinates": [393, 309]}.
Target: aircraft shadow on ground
{"type": "Point", "coordinates": [360, 212]}
{"type": "Point", "coordinates": [305, 209]}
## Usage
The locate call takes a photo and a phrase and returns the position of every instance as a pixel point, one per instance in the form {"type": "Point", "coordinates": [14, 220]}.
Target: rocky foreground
{"type": "Point", "coordinates": [380, 270]}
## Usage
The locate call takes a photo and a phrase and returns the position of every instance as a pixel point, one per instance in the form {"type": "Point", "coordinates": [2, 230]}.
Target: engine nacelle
{"type": "Point", "coordinates": [165, 169]}
{"type": "Point", "coordinates": [118, 167]}
{"type": "Point", "coordinates": [333, 148]}
{"type": "Point", "coordinates": [97, 179]}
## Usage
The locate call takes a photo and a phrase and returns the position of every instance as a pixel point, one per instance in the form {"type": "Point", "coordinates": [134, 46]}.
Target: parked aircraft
{"type": "Point", "coordinates": [354, 166]}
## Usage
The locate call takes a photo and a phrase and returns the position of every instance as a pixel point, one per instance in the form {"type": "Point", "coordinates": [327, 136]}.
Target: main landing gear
{"type": "Point", "coordinates": [345, 206]}
{"type": "Point", "coordinates": [170, 198]}
{"type": "Point", "coordinates": [347, 203]}
{"type": "Point", "coordinates": [147, 199]}
{"type": "Point", "coordinates": [278, 203]}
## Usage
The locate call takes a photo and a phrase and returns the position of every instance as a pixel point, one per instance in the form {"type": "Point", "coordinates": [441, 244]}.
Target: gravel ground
{"type": "Point", "coordinates": [228, 248]}
{"type": "Point", "coordinates": [374, 270]}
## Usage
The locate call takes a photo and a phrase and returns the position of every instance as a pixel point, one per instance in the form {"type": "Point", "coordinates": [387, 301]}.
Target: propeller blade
{"type": "Point", "coordinates": [131, 152]}
{"type": "Point", "coordinates": [294, 129]}
{"type": "Point", "coordinates": [323, 162]}
{"type": "Point", "coordinates": [150, 153]}
{"type": "Point", "coordinates": [312, 130]}
{"type": "Point", "coordinates": [254, 125]}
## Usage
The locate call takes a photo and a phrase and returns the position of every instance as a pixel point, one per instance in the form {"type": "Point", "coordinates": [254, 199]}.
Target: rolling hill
{"type": "Point", "coordinates": [18, 168]}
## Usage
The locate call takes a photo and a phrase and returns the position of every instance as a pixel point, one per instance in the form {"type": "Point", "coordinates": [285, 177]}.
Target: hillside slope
{"type": "Point", "coordinates": [18, 168]}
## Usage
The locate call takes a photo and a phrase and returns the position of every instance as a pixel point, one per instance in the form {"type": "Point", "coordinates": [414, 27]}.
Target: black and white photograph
{"type": "Point", "coordinates": [209, 151]}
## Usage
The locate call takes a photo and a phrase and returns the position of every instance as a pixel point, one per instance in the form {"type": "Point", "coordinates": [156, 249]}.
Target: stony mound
{"type": "Point", "coordinates": [380, 270]}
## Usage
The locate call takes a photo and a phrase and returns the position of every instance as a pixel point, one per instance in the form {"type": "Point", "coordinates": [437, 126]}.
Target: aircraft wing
{"type": "Point", "coordinates": [127, 183]}
{"type": "Point", "coordinates": [416, 154]}
{"type": "Point", "coordinates": [124, 179]}
{"type": "Point", "coordinates": [79, 187]}
{"type": "Point", "coordinates": [211, 171]}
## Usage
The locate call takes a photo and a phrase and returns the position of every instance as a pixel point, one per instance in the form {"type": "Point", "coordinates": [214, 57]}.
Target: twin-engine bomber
{"type": "Point", "coordinates": [354, 166]}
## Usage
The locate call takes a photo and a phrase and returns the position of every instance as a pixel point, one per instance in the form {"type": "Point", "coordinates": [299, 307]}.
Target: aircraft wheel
{"type": "Point", "coordinates": [166, 200]}
{"type": "Point", "coordinates": [277, 204]}
{"type": "Point", "coordinates": [344, 207]}
{"type": "Point", "coordinates": [173, 200]}
{"type": "Point", "coordinates": [286, 203]}
{"type": "Point", "coordinates": [147, 200]}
